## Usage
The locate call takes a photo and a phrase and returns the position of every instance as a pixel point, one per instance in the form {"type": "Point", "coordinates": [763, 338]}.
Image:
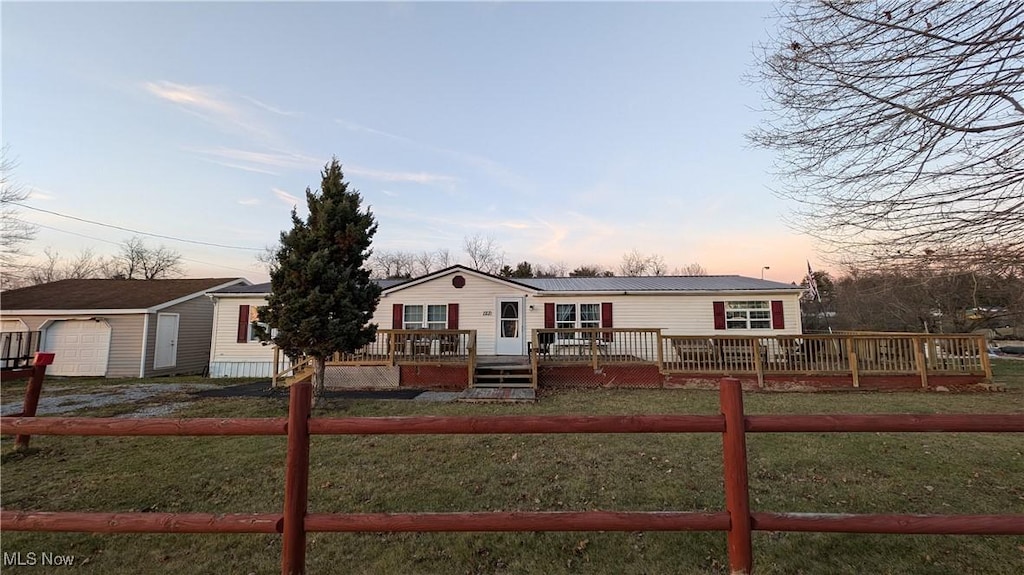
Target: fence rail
{"type": "Point", "coordinates": [295, 521]}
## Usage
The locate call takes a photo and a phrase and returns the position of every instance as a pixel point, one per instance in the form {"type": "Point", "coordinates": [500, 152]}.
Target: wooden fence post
{"type": "Point", "coordinates": [737, 497]}
{"type": "Point", "coordinates": [851, 357]}
{"type": "Point", "coordinates": [32, 391]}
{"type": "Point", "coordinates": [986, 364]}
{"type": "Point", "coordinates": [755, 350]}
{"type": "Point", "coordinates": [296, 482]}
{"type": "Point", "coordinates": [920, 360]}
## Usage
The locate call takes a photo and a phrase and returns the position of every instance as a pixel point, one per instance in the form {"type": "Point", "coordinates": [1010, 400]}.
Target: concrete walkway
{"type": "Point", "coordinates": [498, 395]}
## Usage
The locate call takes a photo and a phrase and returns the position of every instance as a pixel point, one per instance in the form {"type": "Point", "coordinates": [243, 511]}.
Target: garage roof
{"type": "Point", "coordinates": [108, 294]}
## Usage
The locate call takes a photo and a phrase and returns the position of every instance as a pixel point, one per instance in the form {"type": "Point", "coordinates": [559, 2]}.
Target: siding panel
{"type": "Point", "coordinates": [195, 328]}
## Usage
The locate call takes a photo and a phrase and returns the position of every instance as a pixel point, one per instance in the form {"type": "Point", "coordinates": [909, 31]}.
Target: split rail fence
{"type": "Point", "coordinates": [737, 520]}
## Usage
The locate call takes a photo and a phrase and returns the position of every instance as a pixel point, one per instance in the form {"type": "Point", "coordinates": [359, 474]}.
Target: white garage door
{"type": "Point", "coordinates": [80, 347]}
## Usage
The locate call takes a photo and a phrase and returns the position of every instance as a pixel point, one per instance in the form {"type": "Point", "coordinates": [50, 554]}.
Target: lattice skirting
{"type": "Point", "coordinates": [360, 377]}
{"type": "Point", "coordinates": [584, 376]}
{"type": "Point", "coordinates": [648, 377]}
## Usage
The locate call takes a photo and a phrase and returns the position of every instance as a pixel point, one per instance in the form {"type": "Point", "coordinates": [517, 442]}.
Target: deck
{"type": "Point", "coordinates": [621, 355]}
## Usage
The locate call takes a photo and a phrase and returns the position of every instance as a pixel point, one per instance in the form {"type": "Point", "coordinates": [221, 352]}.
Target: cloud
{"type": "Point", "coordinates": [40, 194]}
{"type": "Point", "coordinates": [250, 202]}
{"type": "Point", "coordinates": [357, 128]}
{"type": "Point", "coordinates": [413, 177]}
{"type": "Point", "coordinates": [272, 162]}
{"type": "Point", "coordinates": [226, 111]}
{"type": "Point", "coordinates": [285, 197]}
{"type": "Point", "coordinates": [493, 169]}
{"type": "Point", "coordinates": [270, 108]}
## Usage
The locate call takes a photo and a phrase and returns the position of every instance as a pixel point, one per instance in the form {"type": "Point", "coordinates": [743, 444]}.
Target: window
{"type": "Point", "coordinates": [748, 315]}
{"type": "Point", "coordinates": [436, 317]}
{"type": "Point", "coordinates": [254, 318]}
{"type": "Point", "coordinates": [582, 316]}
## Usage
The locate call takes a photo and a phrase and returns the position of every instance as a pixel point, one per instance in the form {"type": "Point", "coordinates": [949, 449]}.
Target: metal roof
{"type": "Point", "coordinates": [264, 288]}
{"type": "Point", "coordinates": [655, 283]}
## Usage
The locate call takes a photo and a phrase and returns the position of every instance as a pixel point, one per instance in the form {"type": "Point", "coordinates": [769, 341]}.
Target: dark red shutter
{"type": "Point", "coordinates": [396, 316]}
{"type": "Point", "coordinates": [606, 320]}
{"type": "Point", "coordinates": [549, 316]}
{"type": "Point", "coordinates": [453, 316]}
{"type": "Point", "coordinates": [243, 324]}
{"type": "Point", "coordinates": [719, 314]}
{"type": "Point", "coordinates": [778, 319]}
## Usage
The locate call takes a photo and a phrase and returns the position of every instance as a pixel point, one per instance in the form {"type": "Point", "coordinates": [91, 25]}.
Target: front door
{"type": "Point", "coordinates": [509, 340]}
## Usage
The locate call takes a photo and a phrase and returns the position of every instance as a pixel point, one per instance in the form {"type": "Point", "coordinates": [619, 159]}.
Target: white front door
{"type": "Point", "coordinates": [509, 340]}
{"type": "Point", "coordinates": [166, 340]}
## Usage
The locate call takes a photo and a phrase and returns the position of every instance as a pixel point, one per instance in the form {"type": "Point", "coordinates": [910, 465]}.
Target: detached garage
{"type": "Point", "coordinates": [118, 328]}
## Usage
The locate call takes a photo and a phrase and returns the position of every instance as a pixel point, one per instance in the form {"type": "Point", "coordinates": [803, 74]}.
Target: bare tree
{"type": "Point", "coordinates": [425, 262]}
{"type": "Point", "coordinates": [635, 263]}
{"type": "Point", "coordinates": [900, 125]}
{"type": "Point", "coordinates": [694, 269]}
{"type": "Point", "coordinates": [15, 232]}
{"type": "Point", "coordinates": [136, 260]}
{"type": "Point", "coordinates": [553, 270]}
{"type": "Point", "coordinates": [86, 265]}
{"type": "Point", "coordinates": [484, 253]}
{"type": "Point", "coordinates": [268, 258]}
{"type": "Point", "coordinates": [443, 258]}
{"type": "Point", "coordinates": [393, 264]}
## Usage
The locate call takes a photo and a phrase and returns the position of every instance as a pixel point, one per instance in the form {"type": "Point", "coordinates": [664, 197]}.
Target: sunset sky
{"type": "Point", "coordinates": [568, 132]}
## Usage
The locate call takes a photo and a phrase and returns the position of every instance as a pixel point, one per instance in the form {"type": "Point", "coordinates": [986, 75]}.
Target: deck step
{"type": "Point", "coordinates": [498, 376]}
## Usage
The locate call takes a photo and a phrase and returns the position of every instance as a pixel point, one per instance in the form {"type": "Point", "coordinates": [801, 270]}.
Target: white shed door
{"type": "Point", "coordinates": [80, 347]}
{"type": "Point", "coordinates": [166, 340]}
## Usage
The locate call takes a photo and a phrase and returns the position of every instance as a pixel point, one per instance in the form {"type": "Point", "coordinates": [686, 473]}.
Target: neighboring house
{"type": "Point", "coordinates": [503, 311]}
{"type": "Point", "coordinates": [118, 328]}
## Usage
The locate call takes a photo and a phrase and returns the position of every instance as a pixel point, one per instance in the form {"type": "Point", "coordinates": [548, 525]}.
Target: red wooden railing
{"type": "Point", "coordinates": [294, 522]}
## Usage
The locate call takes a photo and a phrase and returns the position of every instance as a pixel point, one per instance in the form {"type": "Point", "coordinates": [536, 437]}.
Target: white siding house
{"type": "Point", "coordinates": [503, 311]}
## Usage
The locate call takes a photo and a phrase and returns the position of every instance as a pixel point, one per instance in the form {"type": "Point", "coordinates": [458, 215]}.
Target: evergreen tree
{"type": "Point", "coordinates": [322, 297]}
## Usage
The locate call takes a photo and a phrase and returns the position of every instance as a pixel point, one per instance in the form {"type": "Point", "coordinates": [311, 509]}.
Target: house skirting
{"type": "Point", "coordinates": [245, 368]}
{"type": "Point", "coordinates": [437, 377]}
{"type": "Point", "coordinates": [649, 377]}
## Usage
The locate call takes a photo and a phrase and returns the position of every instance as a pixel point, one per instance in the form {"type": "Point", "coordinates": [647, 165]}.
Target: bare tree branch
{"type": "Point", "coordinates": [900, 126]}
{"type": "Point", "coordinates": [484, 253]}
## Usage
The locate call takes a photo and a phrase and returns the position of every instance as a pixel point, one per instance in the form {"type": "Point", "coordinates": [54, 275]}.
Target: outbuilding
{"type": "Point", "coordinates": [118, 328]}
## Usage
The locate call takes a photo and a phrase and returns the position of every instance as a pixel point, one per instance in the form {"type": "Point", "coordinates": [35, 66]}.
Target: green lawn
{"type": "Point", "coordinates": [857, 473]}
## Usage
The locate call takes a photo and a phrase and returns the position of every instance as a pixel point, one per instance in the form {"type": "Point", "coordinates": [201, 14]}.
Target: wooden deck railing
{"type": "Point", "coordinates": [849, 354]}
{"type": "Point", "coordinates": [294, 522]}
{"type": "Point", "coordinates": [842, 354]}
{"type": "Point", "coordinates": [874, 354]}
{"type": "Point", "coordinates": [597, 346]}
{"type": "Point", "coordinates": [17, 348]}
{"type": "Point", "coordinates": [404, 347]}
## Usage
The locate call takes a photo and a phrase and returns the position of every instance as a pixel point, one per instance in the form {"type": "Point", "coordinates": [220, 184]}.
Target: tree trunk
{"type": "Point", "coordinates": [319, 368]}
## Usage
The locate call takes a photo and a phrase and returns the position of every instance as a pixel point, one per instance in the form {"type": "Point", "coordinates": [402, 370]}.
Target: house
{"type": "Point", "coordinates": [503, 313]}
{"type": "Point", "coordinates": [118, 328]}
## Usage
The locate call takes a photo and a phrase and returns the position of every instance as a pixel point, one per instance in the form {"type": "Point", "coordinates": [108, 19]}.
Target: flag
{"type": "Point", "coordinates": [812, 285]}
